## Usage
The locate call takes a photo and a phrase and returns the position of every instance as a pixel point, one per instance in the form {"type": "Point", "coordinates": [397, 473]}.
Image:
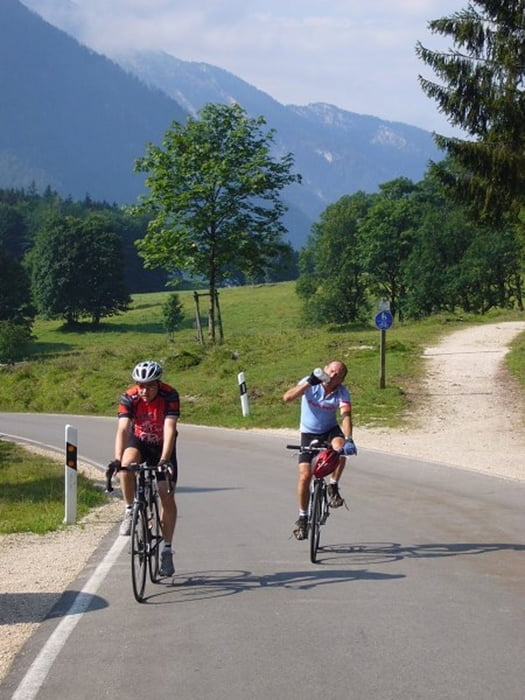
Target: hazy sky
{"type": "Point", "coordinates": [356, 54]}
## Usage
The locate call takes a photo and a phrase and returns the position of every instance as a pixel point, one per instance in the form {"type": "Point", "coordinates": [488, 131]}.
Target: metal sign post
{"type": "Point", "coordinates": [383, 322]}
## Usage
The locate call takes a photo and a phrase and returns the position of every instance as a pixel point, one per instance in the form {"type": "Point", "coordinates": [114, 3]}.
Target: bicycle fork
{"type": "Point", "coordinates": [325, 510]}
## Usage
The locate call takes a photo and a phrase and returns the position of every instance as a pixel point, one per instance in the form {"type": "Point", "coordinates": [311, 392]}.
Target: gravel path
{"type": "Point", "coordinates": [468, 413]}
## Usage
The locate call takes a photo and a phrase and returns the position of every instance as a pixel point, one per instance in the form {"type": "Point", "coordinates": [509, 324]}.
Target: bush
{"type": "Point", "coordinates": [172, 314]}
{"type": "Point", "coordinates": [15, 339]}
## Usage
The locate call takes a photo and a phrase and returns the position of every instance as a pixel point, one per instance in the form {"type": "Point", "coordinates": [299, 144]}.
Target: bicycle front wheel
{"type": "Point", "coordinates": [155, 538]}
{"type": "Point", "coordinates": [315, 520]}
{"type": "Point", "coordinates": [139, 553]}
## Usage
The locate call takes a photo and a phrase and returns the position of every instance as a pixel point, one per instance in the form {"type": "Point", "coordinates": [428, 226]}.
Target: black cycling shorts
{"type": "Point", "coordinates": [306, 455]}
{"type": "Point", "coordinates": [151, 455]}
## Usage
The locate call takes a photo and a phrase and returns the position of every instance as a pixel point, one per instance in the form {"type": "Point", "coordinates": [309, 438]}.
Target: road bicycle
{"type": "Point", "coordinates": [318, 509]}
{"type": "Point", "coordinates": [146, 528]}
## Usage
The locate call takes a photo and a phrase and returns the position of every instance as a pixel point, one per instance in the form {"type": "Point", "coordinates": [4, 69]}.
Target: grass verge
{"type": "Point", "coordinates": [32, 496]}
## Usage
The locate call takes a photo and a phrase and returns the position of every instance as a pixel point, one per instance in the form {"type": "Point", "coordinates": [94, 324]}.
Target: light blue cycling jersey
{"type": "Point", "coordinates": [319, 412]}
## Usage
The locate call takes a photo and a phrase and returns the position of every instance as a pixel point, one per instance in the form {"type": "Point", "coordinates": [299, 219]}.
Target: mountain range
{"type": "Point", "coordinates": [75, 120]}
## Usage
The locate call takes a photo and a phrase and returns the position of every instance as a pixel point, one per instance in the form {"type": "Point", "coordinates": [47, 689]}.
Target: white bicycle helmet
{"type": "Point", "coordinates": [147, 371]}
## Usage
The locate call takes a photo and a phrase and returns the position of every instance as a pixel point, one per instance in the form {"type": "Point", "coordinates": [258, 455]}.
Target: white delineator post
{"type": "Point", "coordinates": [244, 395]}
{"type": "Point", "coordinates": [71, 475]}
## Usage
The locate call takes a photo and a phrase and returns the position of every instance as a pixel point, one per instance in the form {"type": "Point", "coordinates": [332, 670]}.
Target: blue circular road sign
{"type": "Point", "coordinates": [384, 320]}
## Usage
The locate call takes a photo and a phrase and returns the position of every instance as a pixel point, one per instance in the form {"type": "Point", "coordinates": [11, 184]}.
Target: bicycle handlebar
{"type": "Point", "coordinates": [109, 476]}
{"type": "Point", "coordinates": [110, 471]}
{"type": "Point", "coordinates": [136, 467]}
{"type": "Point", "coordinates": [314, 446]}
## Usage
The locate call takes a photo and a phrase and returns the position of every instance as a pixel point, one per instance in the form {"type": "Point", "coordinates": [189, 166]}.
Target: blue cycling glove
{"type": "Point", "coordinates": [349, 448]}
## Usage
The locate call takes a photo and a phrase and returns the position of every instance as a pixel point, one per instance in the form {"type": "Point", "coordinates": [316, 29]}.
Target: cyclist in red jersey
{"type": "Point", "coordinates": [147, 431]}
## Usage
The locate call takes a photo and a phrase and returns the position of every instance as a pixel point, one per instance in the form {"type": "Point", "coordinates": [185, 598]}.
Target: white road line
{"type": "Point", "coordinates": [37, 673]}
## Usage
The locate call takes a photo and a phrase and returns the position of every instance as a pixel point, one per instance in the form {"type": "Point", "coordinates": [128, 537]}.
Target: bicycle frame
{"type": "Point", "coordinates": [146, 535]}
{"type": "Point", "coordinates": [146, 531]}
{"type": "Point", "coordinates": [318, 510]}
{"type": "Point", "coordinates": [318, 513]}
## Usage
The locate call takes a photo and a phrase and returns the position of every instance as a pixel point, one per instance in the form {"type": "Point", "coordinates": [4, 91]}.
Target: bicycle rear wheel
{"type": "Point", "coordinates": [139, 554]}
{"type": "Point", "coordinates": [315, 520]}
{"type": "Point", "coordinates": [155, 538]}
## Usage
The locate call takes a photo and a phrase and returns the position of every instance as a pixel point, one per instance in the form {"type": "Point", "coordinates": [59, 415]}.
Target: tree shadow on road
{"type": "Point", "coordinates": [16, 608]}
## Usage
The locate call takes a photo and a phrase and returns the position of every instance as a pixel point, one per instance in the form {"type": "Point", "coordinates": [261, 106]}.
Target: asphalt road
{"type": "Point", "coordinates": [419, 592]}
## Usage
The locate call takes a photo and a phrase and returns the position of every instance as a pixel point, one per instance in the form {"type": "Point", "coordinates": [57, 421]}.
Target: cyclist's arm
{"type": "Point", "coordinates": [123, 431]}
{"type": "Point", "coordinates": [169, 437]}
{"type": "Point", "coordinates": [295, 391]}
{"type": "Point", "coordinates": [346, 420]}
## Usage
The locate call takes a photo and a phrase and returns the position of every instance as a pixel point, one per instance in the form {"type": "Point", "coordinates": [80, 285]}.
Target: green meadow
{"type": "Point", "coordinates": [265, 336]}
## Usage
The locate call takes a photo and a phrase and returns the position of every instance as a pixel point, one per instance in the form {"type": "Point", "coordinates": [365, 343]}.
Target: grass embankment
{"type": "Point", "coordinates": [79, 372]}
{"type": "Point", "coordinates": [32, 495]}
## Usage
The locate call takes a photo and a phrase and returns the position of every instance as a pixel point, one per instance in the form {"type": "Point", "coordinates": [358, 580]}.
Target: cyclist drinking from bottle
{"type": "Point", "coordinates": [322, 394]}
{"type": "Point", "coordinates": [147, 432]}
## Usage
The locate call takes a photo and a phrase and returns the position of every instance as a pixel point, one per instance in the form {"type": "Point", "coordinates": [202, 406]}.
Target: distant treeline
{"type": "Point", "coordinates": [74, 261]}
{"type": "Point", "coordinates": [77, 261]}
{"type": "Point", "coordinates": [413, 246]}
{"type": "Point", "coordinates": [24, 213]}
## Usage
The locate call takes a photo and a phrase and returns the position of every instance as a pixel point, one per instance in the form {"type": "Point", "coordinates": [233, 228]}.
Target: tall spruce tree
{"type": "Point", "coordinates": [482, 91]}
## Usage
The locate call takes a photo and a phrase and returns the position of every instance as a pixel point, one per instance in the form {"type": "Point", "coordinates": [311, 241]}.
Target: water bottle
{"type": "Point", "coordinates": [321, 374]}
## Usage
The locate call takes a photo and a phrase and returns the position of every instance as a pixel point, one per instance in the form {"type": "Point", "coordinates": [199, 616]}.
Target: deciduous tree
{"type": "Point", "coordinates": [16, 310]}
{"type": "Point", "coordinates": [332, 282]}
{"type": "Point", "coordinates": [77, 270]}
{"type": "Point", "coordinates": [386, 238]}
{"type": "Point", "coordinates": [214, 198]}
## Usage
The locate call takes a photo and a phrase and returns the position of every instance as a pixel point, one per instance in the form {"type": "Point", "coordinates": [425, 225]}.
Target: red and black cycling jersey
{"type": "Point", "coordinates": [148, 416]}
